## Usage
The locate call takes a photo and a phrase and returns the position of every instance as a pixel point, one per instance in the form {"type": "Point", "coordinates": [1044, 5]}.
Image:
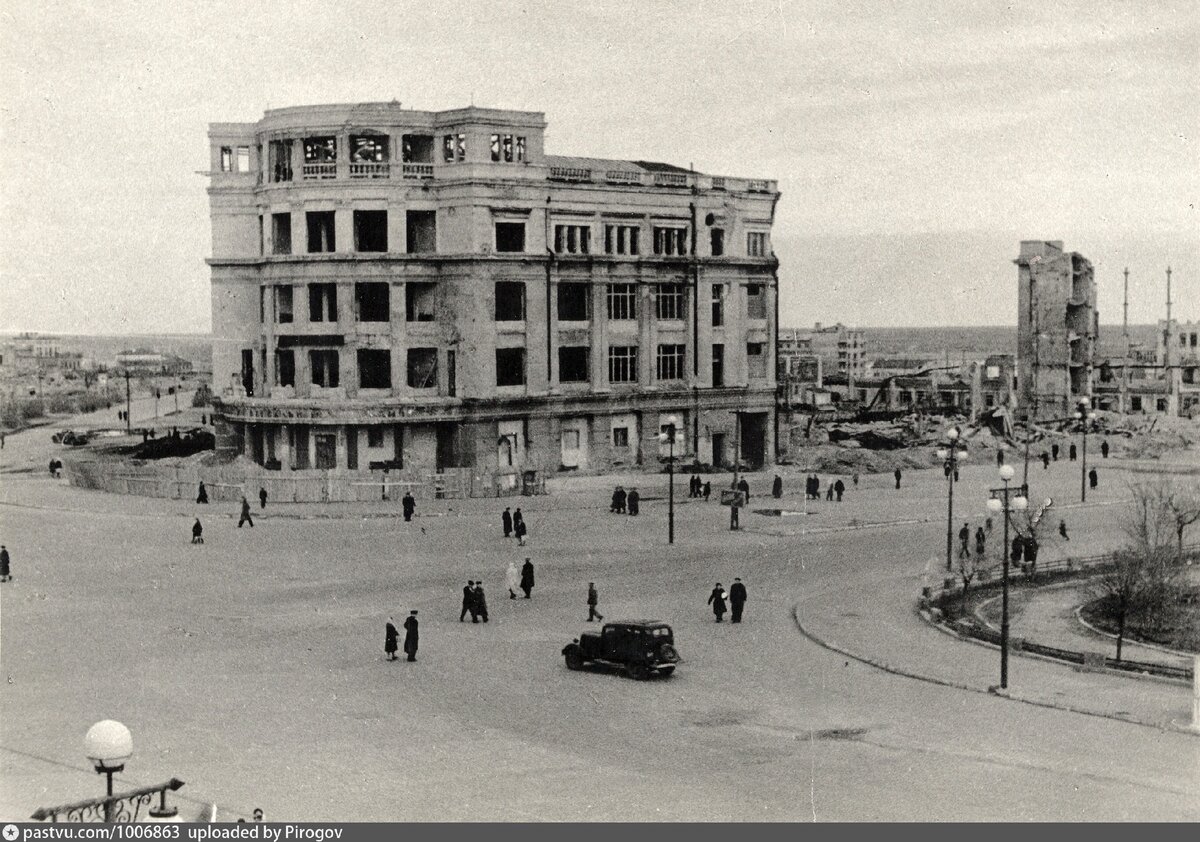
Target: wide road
{"type": "Point", "coordinates": [251, 667]}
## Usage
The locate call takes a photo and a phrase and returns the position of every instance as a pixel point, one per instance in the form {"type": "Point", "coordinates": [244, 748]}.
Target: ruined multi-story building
{"type": "Point", "coordinates": [430, 293]}
{"type": "Point", "coordinates": [1057, 329]}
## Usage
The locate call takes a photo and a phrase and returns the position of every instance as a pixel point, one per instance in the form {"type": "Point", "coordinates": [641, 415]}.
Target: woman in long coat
{"type": "Point", "coordinates": [527, 577]}
{"type": "Point", "coordinates": [519, 527]}
{"type": "Point", "coordinates": [717, 600]}
{"type": "Point", "coordinates": [512, 579]}
{"type": "Point", "coordinates": [389, 639]}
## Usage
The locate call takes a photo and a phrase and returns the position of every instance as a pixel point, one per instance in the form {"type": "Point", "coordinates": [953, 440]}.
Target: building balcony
{"type": "Point", "coordinates": [576, 174]}
{"type": "Point", "coordinates": [371, 170]}
{"type": "Point", "coordinates": [622, 177]}
{"type": "Point", "coordinates": [670, 179]}
{"type": "Point", "coordinates": [413, 170]}
{"type": "Point", "coordinates": [321, 171]}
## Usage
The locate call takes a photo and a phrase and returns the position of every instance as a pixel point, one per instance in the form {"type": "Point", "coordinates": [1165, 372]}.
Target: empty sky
{"type": "Point", "coordinates": [915, 143]}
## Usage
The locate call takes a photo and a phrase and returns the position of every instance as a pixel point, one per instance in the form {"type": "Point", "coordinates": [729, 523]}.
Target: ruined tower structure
{"type": "Point", "coordinates": [430, 294]}
{"type": "Point", "coordinates": [1058, 327]}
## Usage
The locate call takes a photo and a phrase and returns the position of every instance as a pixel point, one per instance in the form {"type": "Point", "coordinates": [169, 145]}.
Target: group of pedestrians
{"type": "Point", "coordinates": [834, 490]}
{"type": "Point", "coordinates": [522, 581]}
{"type": "Point", "coordinates": [964, 540]}
{"type": "Point", "coordinates": [411, 637]}
{"type": "Point", "coordinates": [698, 487]}
{"type": "Point", "coordinates": [513, 523]}
{"type": "Point", "coordinates": [736, 598]}
{"type": "Point", "coordinates": [474, 602]}
{"type": "Point", "coordinates": [624, 501]}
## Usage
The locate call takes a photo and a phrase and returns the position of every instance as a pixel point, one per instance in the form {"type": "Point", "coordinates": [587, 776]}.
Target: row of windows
{"type": "Point", "coordinates": [321, 151]}
{"type": "Point", "coordinates": [375, 365]}
{"type": "Point", "coordinates": [372, 302]}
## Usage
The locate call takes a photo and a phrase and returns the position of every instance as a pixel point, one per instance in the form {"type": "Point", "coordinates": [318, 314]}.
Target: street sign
{"type": "Point", "coordinates": [732, 497]}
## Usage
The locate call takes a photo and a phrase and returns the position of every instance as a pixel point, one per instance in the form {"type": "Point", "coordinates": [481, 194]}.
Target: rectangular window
{"type": "Point", "coordinates": [321, 237]}
{"type": "Point", "coordinates": [372, 301]}
{"type": "Point", "coordinates": [622, 302]}
{"type": "Point", "coordinates": [756, 359]}
{"type": "Point", "coordinates": [279, 160]}
{"type": "Point", "coordinates": [226, 159]}
{"type": "Point", "coordinates": [248, 371]}
{"type": "Point", "coordinates": [621, 239]}
{"type": "Point", "coordinates": [573, 302]}
{"type": "Point", "coordinates": [416, 149]}
{"type": "Point", "coordinates": [451, 373]}
{"type": "Point", "coordinates": [374, 368]}
{"type": "Point", "coordinates": [243, 159]}
{"type": "Point", "coordinates": [510, 301]}
{"type": "Point", "coordinates": [510, 236]}
{"type": "Point", "coordinates": [262, 305]}
{"type": "Point", "coordinates": [756, 301]}
{"type": "Point", "coordinates": [718, 305]}
{"type": "Point", "coordinates": [520, 154]}
{"type": "Point", "coordinates": [573, 364]}
{"type": "Point", "coordinates": [285, 367]}
{"type": "Point", "coordinates": [572, 239]}
{"type": "Point", "coordinates": [620, 437]}
{"type": "Point", "coordinates": [717, 240]}
{"type": "Point", "coordinates": [670, 240]}
{"type": "Point", "coordinates": [262, 237]}
{"type": "Point", "coordinates": [324, 366]}
{"type": "Point", "coordinates": [623, 364]}
{"type": "Point", "coordinates": [283, 304]}
{"type": "Point", "coordinates": [670, 362]}
{"type": "Point", "coordinates": [502, 148]}
{"type": "Point", "coordinates": [422, 368]}
{"type": "Point", "coordinates": [420, 302]}
{"type": "Point", "coordinates": [322, 302]}
{"type": "Point", "coordinates": [454, 148]}
{"type": "Point", "coordinates": [369, 149]}
{"type": "Point", "coordinates": [375, 436]}
{"type": "Point", "coordinates": [421, 231]}
{"type": "Point", "coordinates": [718, 365]}
{"type": "Point", "coordinates": [320, 150]}
{"type": "Point", "coordinates": [510, 366]}
{"type": "Point", "coordinates": [668, 301]}
{"type": "Point", "coordinates": [756, 244]}
{"type": "Point", "coordinates": [281, 233]}
{"type": "Point", "coordinates": [370, 230]}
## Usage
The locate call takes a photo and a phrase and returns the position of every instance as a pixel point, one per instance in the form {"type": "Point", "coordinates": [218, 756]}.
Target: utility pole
{"type": "Point", "coordinates": [1128, 348]}
{"type": "Point", "coordinates": [128, 403]}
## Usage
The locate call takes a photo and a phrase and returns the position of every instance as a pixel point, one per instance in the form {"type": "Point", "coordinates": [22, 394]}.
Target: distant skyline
{"type": "Point", "coordinates": [915, 147]}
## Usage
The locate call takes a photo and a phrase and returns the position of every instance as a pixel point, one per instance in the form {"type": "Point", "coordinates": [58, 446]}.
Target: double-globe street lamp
{"type": "Point", "coordinates": [951, 454]}
{"type": "Point", "coordinates": [668, 434]}
{"type": "Point", "coordinates": [997, 504]}
{"type": "Point", "coordinates": [1086, 419]}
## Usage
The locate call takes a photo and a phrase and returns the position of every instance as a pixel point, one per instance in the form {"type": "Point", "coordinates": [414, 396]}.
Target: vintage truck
{"type": "Point", "coordinates": [640, 647]}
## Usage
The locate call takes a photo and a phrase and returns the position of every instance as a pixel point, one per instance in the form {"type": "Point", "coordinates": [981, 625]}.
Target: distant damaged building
{"type": "Point", "coordinates": [1057, 329]}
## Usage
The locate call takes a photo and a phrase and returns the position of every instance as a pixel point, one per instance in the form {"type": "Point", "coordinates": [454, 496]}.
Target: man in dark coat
{"type": "Point", "coordinates": [964, 541]}
{"type": "Point", "coordinates": [480, 602]}
{"type": "Point", "coordinates": [777, 487]}
{"type": "Point", "coordinates": [1072, 452]}
{"type": "Point", "coordinates": [1045, 461]}
{"type": "Point", "coordinates": [506, 522]}
{"type": "Point", "coordinates": [632, 501]}
{"type": "Point", "coordinates": [621, 498]}
{"type": "Point", "coordinates": [999, 458]}
{"type": "Point", "coordinates": [980, 541]}
{"type": "Point", "coordinates": [744, 487]}
{"type": "Point", "coordinates": [245, 518]}
{"type": "Point", "coordinates": [1104, 448]}
{"type": "Point", "coordinates": [1018, 549]}
{"type": "Point", "coordinates": [1054, 452]}
{"type": "Point", "coordinates": [1031, 551]}
{"type": "Point", "coordinates": [202, 494]}
{"type": "Point", "coordinates": [898, 476]}
{"type": "Point", "coordinates": [412, 635]}
{"type": "Point", "coordinates": [409, 505]}
{"type": "Point", "coordinates": [717, 600]}
{"type": "Point", "coordinates": [527, 577]}
{"type": "Point", "coordinates": [519, 526]}
{"type": "Point", "coordinates": [829, 493]}
{"type": "Point", "coordinates": [592, 601]}
{"type": "Point", "coordinates": [737, 600]}
{"type": "Point", "coordinates": [389, 639]}
{"type": "Point", "coordinates": [839, 488]}
{"type": "Point", "coordinates": [707, 491]}
{"type": "Point", "coordinates": [197, 532]}
{"type": "Point", "coordinates": [1062, 530]}
{"type": "Point", "coordinates": [5, 561]}
{"type": "Point", "coordinates": [1093, 479]}
{"type": "Point", "coordinates": [262, 498]}
{"type": "Point", "coordinates": [468, 602]}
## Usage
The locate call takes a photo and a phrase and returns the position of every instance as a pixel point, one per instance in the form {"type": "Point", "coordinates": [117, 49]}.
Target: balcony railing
{"type": "Point", "coordinates": [570, 174]}
{"type": "Point", "coordinates": [670, 179]}
{"type": "Point", "coordinates": [758, 186]}
{"type": "Point", "coordinates": [319, 171]}
{"type": "Point", "coordinates": [622, 177]}
{"type": "Point", "coordinates": [371, 170]}
{"type": "Point", "coordinates": [418, 170]}
{"type": "Point", "coordinates": [718, 183]}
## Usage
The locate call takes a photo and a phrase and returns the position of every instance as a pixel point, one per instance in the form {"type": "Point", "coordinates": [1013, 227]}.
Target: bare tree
{"type": "Point", "coordinates": [1183, 503]}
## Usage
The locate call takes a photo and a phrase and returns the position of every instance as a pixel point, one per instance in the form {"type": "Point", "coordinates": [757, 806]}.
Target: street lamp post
{"type": "Point", "coordinates": [1085, 418]}
{"type": "Point", "coordinates": [995, 505]}
{"type": "Point", "coordinates": [108, 744]}
{"type": "Point", "coordinates": [950, 454]}
{"type": "Point", "coordinates": [667, 436]}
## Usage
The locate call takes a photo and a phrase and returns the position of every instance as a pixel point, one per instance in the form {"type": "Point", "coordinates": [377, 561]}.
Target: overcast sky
{"type": "Point", "coordinates": [914, 146]}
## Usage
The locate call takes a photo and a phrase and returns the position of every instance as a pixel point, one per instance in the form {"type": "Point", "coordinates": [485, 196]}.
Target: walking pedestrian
{"type": "Point", "coordinates": [737, 600]}
{"type": "Point", "coordinates": [1062, 530]}
{"type": "Point", "coordinates": [839, 488]}
{"type": "Point", "coordinates": [744, 487]}
{"type": "Point", "coordinates": [964, 540]}
{"type": "Point", "coordinates": [468, 601]}
{"type": "Point", "coordinates": [1093, 479]}
{"type": "Point", "coordinates": [633, 500]}
{"type": "Point", "coordinates": [1104, 448]}
{"type": "Point", "coordinates": [262, 498]}
{"type": "Point", "coordinates": [897, 475]}
{"type": "Point", "coordinates": [5, 562]}
{"type": "Point", "coordinates": [526, 582]}
{"type": "Point", "coordinates": [618, 500]}
{"type": "Point", "coordinates": [2, 435]}
{"type": "Point", "coordinates": [245, 518]}
{"type": "Point", "coordinates": [519, 526]}
{"type": "Point", "coordinates": [980, 541]}
{"type": "Point", "coordinates": [389, 639]}
{"type": "Point", "coordinates": [707, 490]}
{"type": "Point", "coordinates": [506, 522]}
{"type": "Point", "coordinates": [409, 505]}
{"type": "Point", "coordinates": [1045, 461]}
{"type": "Point", "coordinates": [829, 493]}
{"type": "Point", "coordinates": [1054, 452]}
{"type": "Point", "coordinates": [854, 477]}
{"type": "Point", "coordinates": [512, 579]}
{"type": "Point", "coordinates": [593, 600]}
{"type": "Point", "coordinates": [816, 487]}
{"type": "Point", "coordinates": [999, 458]}
{"type": "Point", "coordinates": [1031, 551]}
{"type": "Point", "coordinates": [717, 600]}
{"type": "Point", "coordinates": [1018, 549]}
{"type": "Point", "coordinates": [202, 494]}
{"type": "Point", "coordinates": [1072, 453]}
{"type": "Point", "coordinates": [480, 602]}
{"type": "Point", "coordinates": [412, 635]}
{"type": "Point", "coordinates": [777, 487]}
{"type": "Point", "coordinates": [197, 532]}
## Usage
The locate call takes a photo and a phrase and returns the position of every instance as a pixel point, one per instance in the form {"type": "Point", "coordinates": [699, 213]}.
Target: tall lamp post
{"type": "Point", "coordinates": [1086, 418]}
{"type": "Point", "coordinates": [950, 454]}
{"type": "Point", "coordinates": [996, 504]}
{"type": "Point", "coordinates": [108, 744]}
{"type": "Point", "coordinates": [668, 436]}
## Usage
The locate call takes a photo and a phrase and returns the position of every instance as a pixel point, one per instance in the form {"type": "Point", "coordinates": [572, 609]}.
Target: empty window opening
{"type": "Point", "coordinates": [718, 305]}
{"type": "Point", "coordinates": [756, 359]}
{"type": "Point", "coordinates": [279, 160]}
{"type": "Point", "coordinates": [322, 302]}
{"type": "Point", "coordinates": [454, 148]}
{"type": "Point", "coordinates": [620, 436]}
{"type": "Point", "coordinates": [717, 239]}
{"type": "Point", "coordinates": [320, 150]}
{"type": "Point", "coordinates": [718, 365]}
{"type": "Point", "coordinates": [285, 367]}
{"type": "Point", "coordinates": [422, 368]}
{"type": "Point", "coordinates": [369, 149]}
{"type": "Point", "coordinates": [756, 244]}
{"type": "Point", "coordinates": [226, 159]}
{"type": "Point", "coordinates": [283, 304]}
{"type": "Point", "coordinates": [520, 149]}
{"type": "Point", "coordinates": [572, 239]}
{"type": "Point", "coordinates": [372, 301]}
{"type": "Point", "coordinates": [756, 301]}
{"type": "Point", "coordinates": [243, 159]}
{"type": "Point", "coordinates": [417, 149]}
{"type": "Point", "coordinates": [374, 368]}
{"type": "Point", "coordinates": [370, 230]}
{"type": "Point", "coordinates": [670, 240]}
{"type": "Point", "coordinates": [573, 364]}
{"type": "Point", "coordinates": [573, 302]}
{"type": "Point", "coordinates": [324, 366]}
{"type": "Point", "coordinates": [670, 362]}
{"type": "Point", "coordinates": [510, 366]}
{"type": "Point", "coordinates": [507, 149]}
{"type": "Point", "coordinates": [668, 301]}
{"type": "Point", "coordinates": [621, 239]}
{"type": "Point", "coordinates": [510, 301]}
{"type": "Point", "coordinates": [281, 233]}
{"type": "Point", "coordinates": [420, 302]}
{"type": "Point", "coordinates": [375, 436]}
{"type": "Point", "coordinates": [421, 231]}
{"type": "Point", "coordinates": [623, 364]}
{"type": "Point", "coordinates": [510, 236]}
{"type": "Point", "coordinates": [248, 371]}
{"type": "Point", "coordinates": [320, 232]}
{"type": "Point", "coordinates": [622, 302]}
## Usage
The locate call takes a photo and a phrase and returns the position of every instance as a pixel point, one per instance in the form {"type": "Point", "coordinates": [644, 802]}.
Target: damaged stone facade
{"type": "Point", "coordinates": [429, 294]}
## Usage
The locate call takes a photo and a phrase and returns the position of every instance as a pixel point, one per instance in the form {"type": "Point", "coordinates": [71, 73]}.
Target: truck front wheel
{"type": "Point", "coordinates": [574, 659]}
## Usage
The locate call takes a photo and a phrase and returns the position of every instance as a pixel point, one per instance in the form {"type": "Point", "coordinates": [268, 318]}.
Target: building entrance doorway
{"type": "Point", "coordinates": [754, 439]}
{"type": "Point", "coordinates": [326, 450]}
{"type": "Point", "coordinates": [718, 450]}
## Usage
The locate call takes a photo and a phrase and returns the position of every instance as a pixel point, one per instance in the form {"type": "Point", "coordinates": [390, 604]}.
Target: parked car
{"type": "Point", "coordinates": [76, 439]}
{"type": "Point", "coordinates": [58, 436]}
{"type": "Point", "coordinates": [640, 647]}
